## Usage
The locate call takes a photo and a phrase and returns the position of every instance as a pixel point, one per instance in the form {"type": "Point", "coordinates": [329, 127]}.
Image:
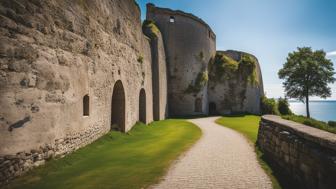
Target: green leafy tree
{"type": "Point", "coordinates": [307, 73]}
{"type": "Point", "coordinates": [283, 107]}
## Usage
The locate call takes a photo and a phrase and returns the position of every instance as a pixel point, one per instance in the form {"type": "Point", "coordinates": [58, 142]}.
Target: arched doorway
{"type": "Point", "coordinates": [198, 105]}
{"type": "Point", "coordinates": [142, 106]}
{"type": "Point", "coordinates": [212, 108]}
{"type": "Point", "coordinates": [118, 107]}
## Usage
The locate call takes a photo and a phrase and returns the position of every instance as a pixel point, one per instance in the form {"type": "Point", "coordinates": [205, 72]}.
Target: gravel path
{"type": "Point", "coordinates": [222, 158]}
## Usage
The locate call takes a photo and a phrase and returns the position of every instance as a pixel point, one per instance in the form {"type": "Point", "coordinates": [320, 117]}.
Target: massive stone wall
{"type": "Point", "coordinates": [189, 45]}
{"type": "Point", "coordinates": [159, 71]}
{"type": "Point", "coordinates": [303, 153]}
{"type": "Point", "coordinates": [52, 54]}
{"type": "Point", "coordinates": [232, 91]}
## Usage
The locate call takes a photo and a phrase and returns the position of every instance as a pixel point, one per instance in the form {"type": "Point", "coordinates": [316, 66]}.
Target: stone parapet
{"type": "Point", "coordinates": [305, 154]}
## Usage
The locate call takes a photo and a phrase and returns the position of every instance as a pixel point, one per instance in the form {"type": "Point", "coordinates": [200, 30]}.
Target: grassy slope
{"type": "Point", "coordinates": [117, 160]}
{"type": "Point", "coordinates": [310, 122]}
{"type": "Point", "coordinates": [248, 126]}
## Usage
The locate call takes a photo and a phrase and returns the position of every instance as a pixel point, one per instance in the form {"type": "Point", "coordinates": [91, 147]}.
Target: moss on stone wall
{"type": "Point", "coordinates": [150, 29]}
{"type": "Point", "coordinates": [140, 59]}
{"type": "Point", "coordinates": [236, 73]}
{"type": "Point", "coordinates": [225, 67]}
{"type": "Point", "coordinates": [247, 68]}
{"type": "Point", "coordinates": [200, 56]}
{"type": "Point", "coordinates": [200, 81]}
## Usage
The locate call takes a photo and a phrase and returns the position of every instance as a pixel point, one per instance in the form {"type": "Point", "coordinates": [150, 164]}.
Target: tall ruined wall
{"type": "Point", "coordinates": [189, 45]}
{"type": "Point", "coordinates": [159, 70]}
{"type": "Point", "coordinates": [304, 154]}
{"type": "Point", "coordinates": [235, 86]}
{"type": "Point", "coordinates": [52, 54]}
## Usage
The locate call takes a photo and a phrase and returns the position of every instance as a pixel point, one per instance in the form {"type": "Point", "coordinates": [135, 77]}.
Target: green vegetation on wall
{"type": "Point", "coordinates": [236, 74]}
{"type": "Point", "coordinates": [247, 67]}
{"type": "Point", "coordinates": [200, 82]}
{"type": "Point", "coordinates": [150, 29]}
{"type": "Point", "coordinates": [225, 67]}
{"type": "Point", "coordinates": [140, 59]}
{"type": "Point", "coordinates": [200, 56]}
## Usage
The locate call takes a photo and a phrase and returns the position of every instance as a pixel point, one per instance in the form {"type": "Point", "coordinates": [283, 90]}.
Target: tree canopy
{"type": "Point", "coordinates": [307, 73]}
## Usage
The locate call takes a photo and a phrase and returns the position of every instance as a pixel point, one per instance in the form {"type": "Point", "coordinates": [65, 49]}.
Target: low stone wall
{"type": "Point", "coordinates": [305, 154]}
{"type": "Point", "coordinates": [12, 166]}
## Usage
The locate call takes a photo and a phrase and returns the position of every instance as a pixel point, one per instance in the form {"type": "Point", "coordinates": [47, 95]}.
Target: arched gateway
{"type": "Point", "coordinates": [118, 107]}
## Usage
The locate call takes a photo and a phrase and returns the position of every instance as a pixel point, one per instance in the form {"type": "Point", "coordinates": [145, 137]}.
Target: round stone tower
{"type": "Point", "coordinates": [189, 45]}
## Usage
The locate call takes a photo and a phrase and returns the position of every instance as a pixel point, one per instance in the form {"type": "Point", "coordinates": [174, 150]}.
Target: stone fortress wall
{"type": "Point", "coordinates": [303, 153]}
{"type": "Point", "coordinates": [233, 95]}
{"type": "Point", "coordinates": [189, 45]}
{"type": "Point", "coordinates": [71, 71]}
{"type": "Point", "coordinates": [159, 74]}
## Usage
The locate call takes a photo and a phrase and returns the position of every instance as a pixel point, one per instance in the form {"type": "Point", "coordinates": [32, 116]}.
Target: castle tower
{"type": "Point", "coordinates": [189, 46]}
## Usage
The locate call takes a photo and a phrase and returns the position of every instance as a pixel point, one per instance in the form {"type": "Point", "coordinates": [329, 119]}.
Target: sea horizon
{"type": "Point", "coordinates": [324, 110]}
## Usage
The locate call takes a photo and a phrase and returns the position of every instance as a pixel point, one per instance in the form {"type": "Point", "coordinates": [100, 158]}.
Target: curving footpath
{"type": "Point", "coordinates": [222, 158]}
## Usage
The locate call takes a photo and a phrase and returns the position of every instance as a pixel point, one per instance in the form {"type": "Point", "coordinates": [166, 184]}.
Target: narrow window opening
{"type": "Point", "coordinates": [172, 19]}
{"type": "Point", "coordinates": [198, 105]}
{"type": "Point", "coordinates": [86, 105]}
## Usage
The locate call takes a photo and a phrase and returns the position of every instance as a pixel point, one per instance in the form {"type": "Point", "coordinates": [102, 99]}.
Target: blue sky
{"type": "Point", "coordinates": [269, 29]}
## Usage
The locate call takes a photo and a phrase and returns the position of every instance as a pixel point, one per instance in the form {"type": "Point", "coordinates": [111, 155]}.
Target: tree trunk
{"type": "Point", "coordinates": [307, 106]}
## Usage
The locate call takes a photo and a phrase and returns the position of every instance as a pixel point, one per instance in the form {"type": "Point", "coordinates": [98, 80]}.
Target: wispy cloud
{"type": "Point", "coordinates": [331, 53]}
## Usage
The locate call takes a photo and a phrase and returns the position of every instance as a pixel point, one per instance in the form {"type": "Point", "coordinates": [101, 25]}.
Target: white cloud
{"type": "Point", "coordinates": [332, 53]}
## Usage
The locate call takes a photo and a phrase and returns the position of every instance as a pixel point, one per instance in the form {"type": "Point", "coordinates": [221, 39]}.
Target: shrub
{"type": "Point", "coordinates": [332, 123]}
{"type": "Point", "coordinates": [269, 106]}
{"type": "Point", "coordinates": [310, 122]}
{"type": "Point", "coordinates": [283, 107]}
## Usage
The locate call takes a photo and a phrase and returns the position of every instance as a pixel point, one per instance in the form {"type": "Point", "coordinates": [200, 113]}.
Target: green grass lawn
{"type": "Point", "coordinates": [248, 126]}
{"type": "Point", "coordinates": [116, 160]}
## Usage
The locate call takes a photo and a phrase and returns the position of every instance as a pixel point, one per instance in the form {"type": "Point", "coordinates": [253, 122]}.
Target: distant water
{"type": "Point", "coordinates": [320, 110]}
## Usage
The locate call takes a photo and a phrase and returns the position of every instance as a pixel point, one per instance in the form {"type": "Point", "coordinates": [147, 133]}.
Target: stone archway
{"type": "Point", "coordinates": [142, 106]}
{"type": "Point", "coordinates": [198, 105]}
{"type": "Point", "coordinates": [212, 108]}
{"type": "Point", "coordinates": [118, 107]}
